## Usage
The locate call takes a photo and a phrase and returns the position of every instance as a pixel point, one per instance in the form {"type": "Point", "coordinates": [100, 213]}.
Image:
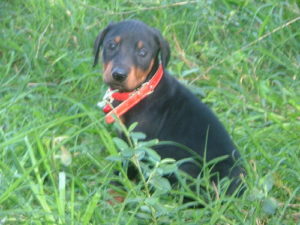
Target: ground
{"type": "Point", "coordinates": [57, 156]}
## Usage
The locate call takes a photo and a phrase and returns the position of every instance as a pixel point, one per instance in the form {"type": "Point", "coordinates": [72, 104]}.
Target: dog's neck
{"type": "Point", "coordinates": [127, 100]}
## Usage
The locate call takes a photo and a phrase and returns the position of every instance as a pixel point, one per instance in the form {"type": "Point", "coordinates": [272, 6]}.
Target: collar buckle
{"type": "Point", "coordinates": [107, 98]}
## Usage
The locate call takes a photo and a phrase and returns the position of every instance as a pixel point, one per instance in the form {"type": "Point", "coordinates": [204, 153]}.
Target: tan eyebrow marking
{"type": "Point", "coordinates": [140, 44]}
{"type": "Point", "coordinates": [117, 39]}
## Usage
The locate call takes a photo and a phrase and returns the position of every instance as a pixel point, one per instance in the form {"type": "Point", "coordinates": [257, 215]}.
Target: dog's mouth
{"type": "Point", "coordinates": [123, 86]}
{"type": "Point", "coordinates": [130, 83]}
{"type": "Point", "coordinates": [117, 86]}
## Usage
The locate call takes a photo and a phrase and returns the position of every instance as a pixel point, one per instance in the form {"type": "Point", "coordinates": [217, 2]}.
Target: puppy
{"type": "Point", "coordinates": [135, 57]}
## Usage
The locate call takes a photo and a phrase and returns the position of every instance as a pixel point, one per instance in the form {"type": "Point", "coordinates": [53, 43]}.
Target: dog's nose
{"type": "Point", "coordinates": [119, 74]}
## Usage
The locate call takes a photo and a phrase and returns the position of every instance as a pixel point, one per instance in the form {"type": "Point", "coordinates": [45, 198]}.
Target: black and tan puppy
{"type": "Point", "coordinates": [135, 55]}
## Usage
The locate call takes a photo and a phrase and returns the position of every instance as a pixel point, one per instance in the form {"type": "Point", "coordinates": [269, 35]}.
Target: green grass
{"type": "Point", "coordinates": [241, 57]}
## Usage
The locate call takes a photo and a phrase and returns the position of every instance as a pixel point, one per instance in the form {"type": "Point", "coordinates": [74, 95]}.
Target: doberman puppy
{"type": "Point", "coordinates": [134, 54]}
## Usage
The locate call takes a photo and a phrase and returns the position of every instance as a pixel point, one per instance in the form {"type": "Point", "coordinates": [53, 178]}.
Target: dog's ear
{"type": "Point", "coordinates": [164, 48]}
{"type": "Point", "coordinates": [99, 41]}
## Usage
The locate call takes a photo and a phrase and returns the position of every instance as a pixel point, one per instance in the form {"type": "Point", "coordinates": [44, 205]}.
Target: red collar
{"type": "Point", "coordinates": [128, 99]}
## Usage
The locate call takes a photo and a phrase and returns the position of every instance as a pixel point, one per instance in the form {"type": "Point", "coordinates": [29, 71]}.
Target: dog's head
{"type": "Point", "coordinates": [131, 51]}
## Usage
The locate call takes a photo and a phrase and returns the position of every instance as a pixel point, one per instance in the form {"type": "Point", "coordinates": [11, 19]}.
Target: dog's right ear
{"type": "Point", "coordinates": [99, 41]}
{"type": "Point", "coordinates": [164, 47]}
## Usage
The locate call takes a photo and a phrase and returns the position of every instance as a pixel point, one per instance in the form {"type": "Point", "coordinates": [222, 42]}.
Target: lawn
{"type": "Point", "coordinates": [57, 155]}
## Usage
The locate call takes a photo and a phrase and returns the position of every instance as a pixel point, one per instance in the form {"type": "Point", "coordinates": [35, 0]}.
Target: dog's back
{"type": "Point", "coordinates": [173, 113]}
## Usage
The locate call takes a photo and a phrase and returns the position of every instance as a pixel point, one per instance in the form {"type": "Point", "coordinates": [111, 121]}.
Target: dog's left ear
{"type": "Point", "coordinates": [99, 41]}
{"type": "Point", "coordinates": [164, 48]}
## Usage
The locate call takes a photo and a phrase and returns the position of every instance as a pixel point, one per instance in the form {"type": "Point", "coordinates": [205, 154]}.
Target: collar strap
{"type": "Point", "coordinates": [129, 99]}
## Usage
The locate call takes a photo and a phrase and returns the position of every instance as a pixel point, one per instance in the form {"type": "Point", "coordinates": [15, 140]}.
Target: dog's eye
{"type": "Point", "coordinates": [142, 52]}
{"type": "Point", "coordinates": [112, 45]}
